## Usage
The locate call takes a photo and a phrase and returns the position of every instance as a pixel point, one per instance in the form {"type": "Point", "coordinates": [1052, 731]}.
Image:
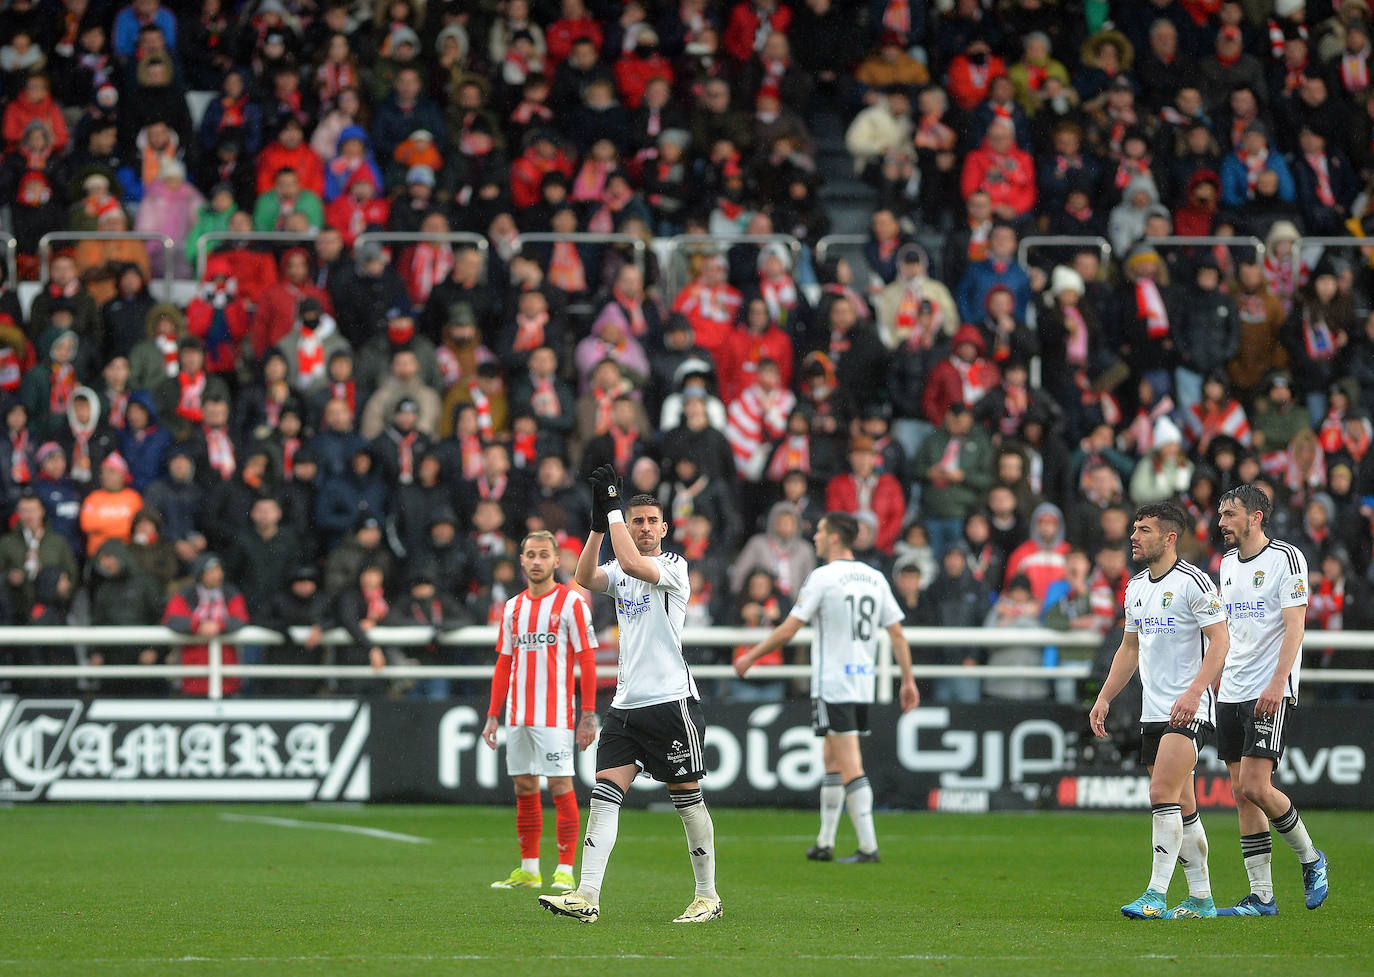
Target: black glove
{"type": "Point", "coordinates": [607, 490]}
{"type": "Point", "coordinates": [598, 523]}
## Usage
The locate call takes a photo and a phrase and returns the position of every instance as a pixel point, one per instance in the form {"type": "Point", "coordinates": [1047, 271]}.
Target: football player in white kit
{"type": "Point", "coordinates": [1171, 606]}
{"type": "Point", "coordinates": [1264, 585]}
{"type": "Point", "coordinates": [849, 603]}
{"type": "Point", "coordinates": [655, 722]}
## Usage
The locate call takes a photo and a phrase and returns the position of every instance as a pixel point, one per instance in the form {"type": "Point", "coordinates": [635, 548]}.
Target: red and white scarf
{"type": "Point", "coordinates": [544, 399]}
{"type": "Point", "coordinates": [1355, 72]}
{"type": "Point", "coordinates": [211, 607]}
{"type": "Point", "coordinates": [1318, 339]}
{"type": "Point", "coordinates": [1149, 305]}
{"type": "Point", "coordinates": [374, 600]}
{"type": "Point", "coordinates": [566, 270]}
{"type": "Point", "coordinates": [975, 379]}
{"type": "Point", "coordinates": [167, 346]}
{"type": "Point", "coordinates": [221, 451]}
{"type": "Point", "coordinates": [62, 386]}
{"type": "Point", "coordinates": [1318, 163]}
{"type": "Point", "coordinates": [794, 454]}
{"type": "Point", "coordinates": [623, 443]}
{"type": "Point", "coordinates": [779, 295]}
{"type": "Point", "coordinates": [430, 265]}
{"type": "Point", "coordinates": [634, 312]}
{"type": "Point", "coordinates": [529, 331]}
{"type": "Point", "coordinates": [20, 472]}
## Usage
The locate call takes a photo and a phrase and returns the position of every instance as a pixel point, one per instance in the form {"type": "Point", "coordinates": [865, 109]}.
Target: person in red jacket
{"type": "Point", "coordinates": [754, 340]}
{"type": "Point", "coordinates": [1002, 170]}
{"type": "Point", "coordinates": [218, 317]}
{"type": "Point", "coordinates": [541, 157]}
{"type": "Point", "coordinates": [965, 377]}
{"type": "Point", "coordinates": [255, 270]}
{"type": "Point", "coordinates": [362, 207]}
{"type": "Point", "coordinates": [638, 66]}
{"type": "Point", "coordinates": [206, 609]}
{"type": "Point", "coordinates": [35, 104]}
{"type": "Point", "coordinates": [862, 490]}
{"type": "Point", "coordinates": [971, 74]}
{"type": "Point", "coordinates": [742, 34]}
{"type": "Point", "coordinates": [1043, 557]}
{"type": "Point", "coordinates": [575, 24]}
{"type": "Point", "coordinates": [290, 149]}
{"type": "Point", "coordinates": [276, 313]}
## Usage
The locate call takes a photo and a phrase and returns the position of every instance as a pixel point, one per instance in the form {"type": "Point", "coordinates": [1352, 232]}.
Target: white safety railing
{"type": "Point", "coordinates": [1302, 244]}
{"type": "Point", "coordinates": [46, 242]}
{"type": "Point", "coordinates": [484, 637]}
{"type": "Point", "coordinates": [682, 246]}
{"type": "Point", "coordinates": [637, 246]}
{"type": "Point", "coordinates": [246, 237]}
{"type": "Point", "coordinates": [1033, 241]}
{"type": "Point", "coordinates": [1207, 241]}
{"type": "Point", "coordinates": [11, 260]}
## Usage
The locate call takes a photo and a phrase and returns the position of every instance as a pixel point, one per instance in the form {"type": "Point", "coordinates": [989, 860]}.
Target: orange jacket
{"type": "Point", "coordinates": [108, 515]}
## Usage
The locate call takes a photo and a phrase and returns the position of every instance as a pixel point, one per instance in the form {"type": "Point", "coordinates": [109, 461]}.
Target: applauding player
{"type": "Point", "coordinates": [655, 722]}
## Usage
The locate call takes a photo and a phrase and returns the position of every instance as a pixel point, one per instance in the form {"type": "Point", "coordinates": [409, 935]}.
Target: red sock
{"type": "Point", "coordinates": [529, 823]}
{"type": "Point", "coordinates": [566, 825]}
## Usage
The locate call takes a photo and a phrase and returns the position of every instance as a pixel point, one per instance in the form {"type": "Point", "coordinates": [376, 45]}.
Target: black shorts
{"type": "Point", "coordinates": [1152, 733]}
{"type": "Point", "coordinates": [1240, 733]}
{"type": "Point", "coordinates": [665, 740]}
{"type": "Point", "coordinates": [839, 717]}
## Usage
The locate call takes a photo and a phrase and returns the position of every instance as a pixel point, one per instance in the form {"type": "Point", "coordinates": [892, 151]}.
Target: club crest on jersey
{"type": "Point", "coordinates": [554, 620]}
{"type": "Point", "coordinates": [1168, 598]}
{"type": "Point", "coordinates": [1258, 579]}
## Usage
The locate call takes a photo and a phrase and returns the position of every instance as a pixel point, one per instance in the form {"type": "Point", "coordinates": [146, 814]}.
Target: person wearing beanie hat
{"type": "Point", "coordinates": [1165, 471]}
{"type": "Point", "coordinates": [108, 512]}
{"type": "Point", "coordinates": [206, 608]}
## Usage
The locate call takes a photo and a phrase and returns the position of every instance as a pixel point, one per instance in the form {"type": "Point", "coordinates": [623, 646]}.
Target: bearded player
{"type": "Point", "coordinates": [543, 629]}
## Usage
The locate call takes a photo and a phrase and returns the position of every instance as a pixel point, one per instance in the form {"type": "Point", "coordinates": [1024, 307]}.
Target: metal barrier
{"type": "Point", "coordinates": [824, 245]}
{"type": "Point", "coordinates": [1207, 241]}
{"type": "Point", "coordinates": [1323, 242]}
{"type": "Point", "coordinates": [11, 260]}
{"type": "Point", "coordinates": [674, 272]}
{"type": "Point", "coordinates": [485, 637]}
{"type": "Point", "coordinates": [452, 237]}
{"type": "Point", "coordinates": [273, 237]}
{"type": "Point", "coordinates": [1104, 247]}
{"type": "Point", "coordinates": [45, 244]}
{"type": "Point", "coordinates": [636, 244]}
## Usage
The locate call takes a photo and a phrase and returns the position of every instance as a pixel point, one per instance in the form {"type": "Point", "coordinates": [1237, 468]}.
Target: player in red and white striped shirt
{"type": "Point", "coordinates": [543, 630]}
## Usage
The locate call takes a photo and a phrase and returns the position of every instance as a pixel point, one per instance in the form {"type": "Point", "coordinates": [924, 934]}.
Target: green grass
{"type": "Point", "coordinates": [150, 891]}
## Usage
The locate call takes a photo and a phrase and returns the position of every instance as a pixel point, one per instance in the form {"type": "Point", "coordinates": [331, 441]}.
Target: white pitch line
{"type": "Point", "coordinates": [480, 957]}
{"type": "Point", "coordinates": [352, 829]}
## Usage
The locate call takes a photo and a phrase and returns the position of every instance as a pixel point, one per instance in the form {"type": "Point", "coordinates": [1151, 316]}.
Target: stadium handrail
{"type": "Point", "coordinates": [470, 238]}
{"type": "Point", "coordinates": [1207, 241]}
{"type": "Point", "coordinates": [45, 244]}
{"type": "Point", "coordinates": [824, 245]}
{"type": "Point", "coordinates": [636, 243]}
{"type": "Point", "coordinates": [484, 636]}
{"type": "Point", "coordinates": [681, 244]}
{"type": "Point", "coordinates": [1032, 241]}
{"type": "Point", "coordinates": [11, 259]}
{"type": "Point", "coordinates": [274, 237]}
{"type": "Point", "coordinates": [1318, 241]}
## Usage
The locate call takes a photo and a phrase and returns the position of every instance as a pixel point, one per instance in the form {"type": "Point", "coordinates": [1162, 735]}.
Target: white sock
{"type": "Point", "coordinates": [564, 867]}
{"type": "Point", "coordinates": [1167, 838]}
{"type": "Point", "coordinates": [603, 821]}
{"type": "Point", "coordinates": [1293, 831]}
{"type": "Point", "coordinates": [701, 838]}
{"type": "Point", "coordinates": [1193, 856]}
{"type": "Point", "coordinates": [858, 798]}
{"type": "Point", "coordinates": [530, 865]}
{"type": "Point", "coordinates": [1258, 850]}
{"type": "Point", "coordinates": [832, 804]}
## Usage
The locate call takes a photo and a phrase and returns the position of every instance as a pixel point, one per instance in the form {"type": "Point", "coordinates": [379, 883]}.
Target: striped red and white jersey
{"type": "Point", "coordinates": [751, 421]}
{"type": "Point", "coordinates": [543, 636]}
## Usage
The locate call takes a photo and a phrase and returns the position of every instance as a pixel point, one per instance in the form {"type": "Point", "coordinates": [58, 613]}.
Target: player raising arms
{"type": "Point", "coordinates": [655, 722]}
{"type": "Point", "coordinates": [850, 603]}
{"type": "Point", "coordinates": [1264, 585]}
{"type": "Point", "coordinates": [542, 630]}
{"type": "Point", "coordinates": [1171, 606]}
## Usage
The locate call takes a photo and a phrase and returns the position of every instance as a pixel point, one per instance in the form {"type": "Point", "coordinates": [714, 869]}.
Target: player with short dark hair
{"type": "Point", "coordinates": [1264, 585]}
{"type": "Point", "coordinates": [543, 630]}
{"type": "Point", "coordinates": [848, 603]}
{"type": "Point", "coordinates": [655, 722]}
{"type": "Point", "coordinates": [1171, 607]}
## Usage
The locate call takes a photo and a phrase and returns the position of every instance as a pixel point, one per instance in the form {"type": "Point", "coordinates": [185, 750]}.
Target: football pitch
{"type": "Point", "coordinates": [292, 890]}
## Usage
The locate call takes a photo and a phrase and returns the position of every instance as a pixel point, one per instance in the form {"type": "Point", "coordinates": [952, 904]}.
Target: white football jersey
{"type": "Point", "coordinates": [1169, 614]}
{"type": "Point", "coordinates": [652, 669]}
{"type": "Point", "coordinates": [1256, 591]}
{"type": "Point", "coordinates": [847, 603]}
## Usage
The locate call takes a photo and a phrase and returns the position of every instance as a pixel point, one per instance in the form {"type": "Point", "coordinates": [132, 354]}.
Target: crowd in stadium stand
{"type": "Point", "coordinates": [334, 431]}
